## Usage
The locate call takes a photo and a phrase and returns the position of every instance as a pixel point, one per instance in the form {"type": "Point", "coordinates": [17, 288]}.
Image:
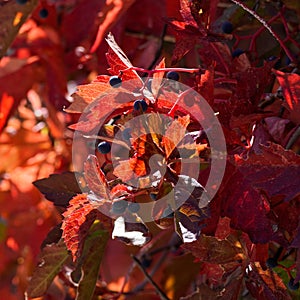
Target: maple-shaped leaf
{"type": "Point", "coordinates": [265, 285]}
{"type": "Point", "coordinates": [95, 177]}
{"type": "Point", "coordinates": [174, 134]}
{"type": "Point", "coordinates": [291, 92]}
{"type": "Point", "coordinates": [87, 93]}
{"type": "Point", "coordinates": [106, 106]}
{"type": "Point", "coordinates": [78, 218]}
{"type": "Point", "coordinates": [187, 33]}
{"type": "Point", "coordinates": [50, 263]}
{"type": "Point", "coordinates": [59, 188]}
{"type": "Point", "coordinates": [119, 63]}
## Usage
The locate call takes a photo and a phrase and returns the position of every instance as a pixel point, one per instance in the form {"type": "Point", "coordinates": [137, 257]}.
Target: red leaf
{"type": "Point", "coordinates": [75, 217]}
{"type": "Point", "coordinates": [275, 171]}
{"type": "Point", "coordinates": [119, 62]}
{"type": "Point", "coordinates": [290, 84]}
{"type": "Point", "coordinates": [95, 178]}
{"type": "Point", "coordinates": [87, 93]}
{"type": "Point", "coordinates": [212, 250]}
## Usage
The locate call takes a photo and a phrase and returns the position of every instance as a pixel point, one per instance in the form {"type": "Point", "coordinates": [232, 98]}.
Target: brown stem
{"type": "Point", "coordinates": [162, 295]}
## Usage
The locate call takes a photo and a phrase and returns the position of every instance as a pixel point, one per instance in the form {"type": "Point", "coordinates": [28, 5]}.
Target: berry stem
{"type": "Point", "coordinates": [172, 110]}
{"type": "Point", "coordinates": [150, 72]}
{"type": "Point", "coordinates": [267, 26]}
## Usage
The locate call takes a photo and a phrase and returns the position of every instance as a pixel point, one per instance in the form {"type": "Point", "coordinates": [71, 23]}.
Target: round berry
{"type": "Point", "coordinates": [146, 261]}
{"type": "Point", "coordinates": [271, 263]}
{"type": "Point", "coordinates": [104, 147]}
{"type": "Point", "coordinates": [293, 286]}
{"type": "Point", "coordinates": [21, 2]}
{"type": "Point", "coordinates": [126, 133]}
{"type": "Point", "coordinates": [43, 13]}
{"type": "Point", "coordinates": [133, 207]}
{"type": "Point", "coordinates": [115, 81]}
{"type": "Point", "coordinates": [140, 105]}
{"type": "Point", "coordinates": [227, 27]}
{"type": "Point", "coordinates": [118, 207]}
{"type": "Point", "coordinates": [237, 52]}
{"type": "Point", "coordinates": [173, 75]}
{"type": "Point", "coordinates": [153, 196]}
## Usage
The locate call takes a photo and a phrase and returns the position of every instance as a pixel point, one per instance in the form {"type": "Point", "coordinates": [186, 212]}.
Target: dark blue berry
{"type": "Point", "coordinates": [118, 207]}
{"type": "Point", "coordinates": [115, 81]}
{"type": "Point", "coordinates": [104, 147]}
{"type": "Point", "coordinates": [173, 75]}
{"type": "Point", "coordinates": [133, 207]}
{"type": "Point", "coordinates": [227, 27]}
{"type": "Point", "coordinates": [43, 13]}
{"type": "Point", "coordinates": [293, 286]}
{"type": "Point", "coordinates": [140, 105]}
{"type": "Point", "coordinates": [21, 2]}
{"type": "Point", "coordinates": [153, 196]}
{"type": "Point", "coordinates": [126, 133]}
{"type": "Point", "coordinates": [237, 52]}
{"type": "Point", "coordinates": [271, 263]}
{"type": "Point", "coordinates": [146, 261]}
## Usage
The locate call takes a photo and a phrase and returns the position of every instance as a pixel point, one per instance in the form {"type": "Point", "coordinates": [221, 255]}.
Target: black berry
{"type": "Point", "coordinates": [237, 52]}
{"type": "Point", "coordinates": [293, 286]}
{"type": "Point", "coordinates": [118, 207]}
{"type": "Point", "coordinates": [271, 263]}
{"type": "Point", "coordinates": [140, 105]}
{"type": "Point", "coordinates": [227, 27]}
{"type": "Point", "coordinates": [126, 133]}
{"type": "Point", "coordinates": [115, 81]}
{"type": "Point", "coordinates": [153, 196]}
{"type": "Point", "coordinates": [43, 13]}
{"type": "Point", "coordinates": [21, 2]}
{"type": "Point", "coordinates": [173, 75]}
{"type": "Point", "coordinates": [133, 207]}
{"type": "Point", "coordinates": [104, 147]}
{"type": "Point", "coordinates": [146, 261]}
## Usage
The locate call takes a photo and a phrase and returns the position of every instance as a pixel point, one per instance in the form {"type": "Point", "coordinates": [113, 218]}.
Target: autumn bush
{"type": "Point", "coordinates": [150, 149]}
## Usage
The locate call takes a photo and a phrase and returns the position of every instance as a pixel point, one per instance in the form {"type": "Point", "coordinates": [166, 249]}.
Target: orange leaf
{"type": "Point", "coordinates": [175, 134]}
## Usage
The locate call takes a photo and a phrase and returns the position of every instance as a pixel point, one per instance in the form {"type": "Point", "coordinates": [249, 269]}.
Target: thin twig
{"type": "Point", "coordinates": [293, 139]}
{"type": "Point", "coordinates": [157, 288]}
{"type": "Point", "coordinates": [267, 26]}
